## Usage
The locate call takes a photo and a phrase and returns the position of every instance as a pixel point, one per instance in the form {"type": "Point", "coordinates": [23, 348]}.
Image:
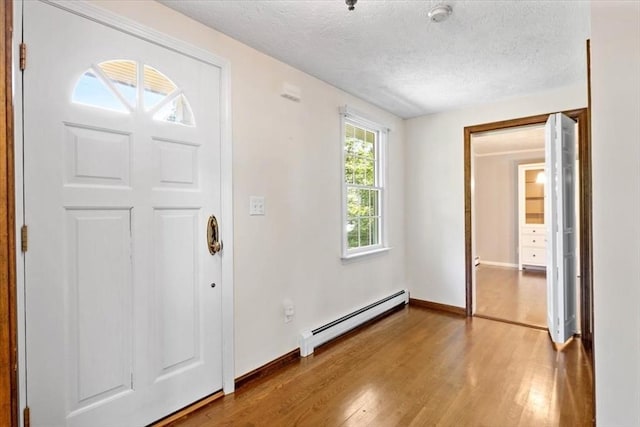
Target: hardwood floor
{"type": "Point", "coordinates": [511, 294]}
{"type": "Point", "coordinates": [418, 367]}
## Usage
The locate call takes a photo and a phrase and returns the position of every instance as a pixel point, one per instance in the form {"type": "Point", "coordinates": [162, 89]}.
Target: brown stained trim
{"type": "Point", "coordinates": [266, 369]}
{"type": "Point", "coordinates": [587, 260]}
{"type": "Point", "coordinates": [467, 224]}
{"type": "Point", "coordinates": [184, 412]}
{"type": "Point", "coordinates": [511, 322]}
{"type": "Point", "coordinates": [586, 236]}
{"type": "Point", "coordinates": [586, 199]}
{"type": "Point", "coordinates": [8, 325]}
{"type": "Point", "coordinates": [452, 309]}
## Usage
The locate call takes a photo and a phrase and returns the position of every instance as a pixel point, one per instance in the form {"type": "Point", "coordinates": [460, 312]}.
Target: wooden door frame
{"type": "Point", "coordinates": [586, 240]}
{"type": "Point", "coordinates": [8, 325]}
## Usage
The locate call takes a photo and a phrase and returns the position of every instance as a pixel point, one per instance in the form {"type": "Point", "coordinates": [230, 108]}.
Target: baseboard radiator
{"type": "Point", "coordinates": [309, 340]}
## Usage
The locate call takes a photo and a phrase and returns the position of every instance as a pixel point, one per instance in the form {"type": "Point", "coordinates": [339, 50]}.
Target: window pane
{"type": "Point", "coordinates": [364, 232]}
{"type": "Point", "coordinates": [358, 203]}
{"type": "Point", "coordinates": [368, 150]}
{"type": "Point", "coordinates": [354, 205]}
{"type": "Point", "coordinates": [364, 194]}
{"type": "Point", "coordinates": [348, 145]}
{"type": "Point", "coordinates": [156, 87]}
{"type": "Point", "coordinates": [90, 90]}
{"type": "Point", "coordinates": [374, 201]}
{"type": "Point", "coordinates": [350, 131]}
{"type": "Point", "coordinates": [360, 171]}
{"type": "Point", "coordinates": [176, 111]}
{"type": "Point", "coordinates": [358, 142]}
{"type": "Point", "coordinates": [374, 230]}
{"type": "Point", "coordinates": [124, 77]}
{"type": "Point", "coordinates": [352, 234]}
{"type": "Point", "coordinates": [349, 169]}
{"type": "Point", "coordinates": [370, 137]}
{"type": "Point", "coordinates": [369, 172]}
{"type": "Point", "coordinates": [363, 171]}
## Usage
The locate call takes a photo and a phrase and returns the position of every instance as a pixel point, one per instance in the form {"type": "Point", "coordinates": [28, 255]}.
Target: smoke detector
{"type": "Point", "coordinates": [440, 13]}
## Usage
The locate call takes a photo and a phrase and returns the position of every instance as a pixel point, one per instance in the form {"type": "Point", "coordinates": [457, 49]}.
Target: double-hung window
{"type": "Point", "coordinates": [363, 181]}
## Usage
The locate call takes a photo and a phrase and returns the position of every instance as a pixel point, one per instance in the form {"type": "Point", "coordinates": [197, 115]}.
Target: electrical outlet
{"type": "Point", "coordinates": [289, 310]}
{"type": "Point", "coordinates": [256, 205]}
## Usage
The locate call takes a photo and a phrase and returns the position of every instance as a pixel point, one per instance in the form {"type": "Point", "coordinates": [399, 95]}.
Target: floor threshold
{"type": "Point", "coordinates": [512, 322]}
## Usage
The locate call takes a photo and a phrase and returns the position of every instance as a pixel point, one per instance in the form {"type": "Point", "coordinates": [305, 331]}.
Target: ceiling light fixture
{"type": "Point", "coordinates": [440, 12]}
{"type": "Point", "coordinates": [351, 4]}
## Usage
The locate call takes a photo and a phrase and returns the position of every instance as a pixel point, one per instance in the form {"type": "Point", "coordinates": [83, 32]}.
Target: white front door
{"type": "Point", "coordinates": [121, 172]}
{"type": "Point", "coordinates": [560, 217]}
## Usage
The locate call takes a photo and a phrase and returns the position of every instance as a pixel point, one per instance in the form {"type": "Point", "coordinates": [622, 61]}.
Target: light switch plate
{"type": "Point", "coordinates": [256, 205]}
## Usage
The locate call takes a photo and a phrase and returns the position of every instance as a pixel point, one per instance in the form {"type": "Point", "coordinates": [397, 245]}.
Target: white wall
{"type": "Point", "coordinates": [290, 153]}
{"type": "Point", "coordinates": [615, 89]}
{"type": "Point", "coordinates": [434, 185]}
{"type": "Point", "coordinates": [496, 205]}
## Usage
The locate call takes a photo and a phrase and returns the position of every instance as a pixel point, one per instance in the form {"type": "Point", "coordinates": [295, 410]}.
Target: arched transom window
{"type": "Point", "coordinates": [126, 86]}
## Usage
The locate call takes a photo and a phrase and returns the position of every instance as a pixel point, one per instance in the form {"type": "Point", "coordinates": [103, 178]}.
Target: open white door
{"type": "Point", "coordinates": [561, 226]}
{"type": "Point", "coordinates": [122, 168]}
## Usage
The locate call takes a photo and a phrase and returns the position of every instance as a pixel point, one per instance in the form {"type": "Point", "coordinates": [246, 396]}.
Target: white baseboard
{"type": "Point", "coordinates": [498, 264]}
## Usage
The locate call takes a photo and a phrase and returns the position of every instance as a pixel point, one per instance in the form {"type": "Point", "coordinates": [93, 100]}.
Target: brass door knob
{"type": "Point", "coordinates": [213, 236]}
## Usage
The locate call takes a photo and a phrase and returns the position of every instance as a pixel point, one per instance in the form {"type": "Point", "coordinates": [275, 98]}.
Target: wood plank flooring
{"type": "Point", "coordinates": [511, 294]}
{"type": "Point", "coordinates": [418, 367]}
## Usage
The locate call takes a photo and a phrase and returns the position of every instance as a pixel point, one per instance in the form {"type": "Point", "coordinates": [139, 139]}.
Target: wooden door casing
{"type": "Point", "coordinates": [8, 326]}
{"type": "Point", "coordinates": [586, 236]}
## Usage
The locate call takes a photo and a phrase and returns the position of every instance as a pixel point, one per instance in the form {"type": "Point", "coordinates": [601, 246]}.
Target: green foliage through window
{"type": "Point", "coordinates": [361, 174]}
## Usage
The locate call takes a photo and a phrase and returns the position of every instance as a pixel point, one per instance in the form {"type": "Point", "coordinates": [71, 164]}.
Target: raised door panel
{"type": "Point", "coordinates": [99, 314]}
{"type": "Point", "coordinates": [176, 280]}
{"type": "Point", "coordinates": [97, 156]}
{"type": "Point", "coordinates": [175, 164]}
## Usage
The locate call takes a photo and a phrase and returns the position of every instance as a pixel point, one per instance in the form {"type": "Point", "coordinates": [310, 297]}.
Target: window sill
{"type": "Point", "coordinates": [360, 255]}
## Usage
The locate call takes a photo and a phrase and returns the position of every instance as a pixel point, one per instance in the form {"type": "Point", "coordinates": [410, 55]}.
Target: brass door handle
{"type": "Point", "coordinates": [213, 236]}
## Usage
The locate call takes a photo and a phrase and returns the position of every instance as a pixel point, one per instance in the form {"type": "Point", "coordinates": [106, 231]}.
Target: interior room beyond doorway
{"type": "Point", "coordinates": [505, 293]}
{"type": "Point", "coordinates": [508, 215]}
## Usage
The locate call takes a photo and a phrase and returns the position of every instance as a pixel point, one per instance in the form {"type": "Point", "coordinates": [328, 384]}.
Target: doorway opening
{"type": "Point", "coordinates": [508, 216]}
{"type": "Point", "coordinates": [522, 271]}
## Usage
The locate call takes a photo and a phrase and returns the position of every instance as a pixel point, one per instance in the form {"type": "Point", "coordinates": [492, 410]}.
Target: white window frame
{"type": "Point", "coordinates": [351, 116]}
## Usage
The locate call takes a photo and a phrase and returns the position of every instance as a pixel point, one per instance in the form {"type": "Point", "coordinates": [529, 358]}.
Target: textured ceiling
{"type": "Point", "coordinates": [518, 139]}
{"type": "Point", "coordinates": [389, 53]}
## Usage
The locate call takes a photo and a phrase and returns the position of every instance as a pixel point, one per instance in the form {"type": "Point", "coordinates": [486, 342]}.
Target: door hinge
{"type": "Point", "coordinates": [24, 238]}
{"type": "Point", "coordinates": [23, 56]}
{"type": "Point", "coordinates": [26, 417]}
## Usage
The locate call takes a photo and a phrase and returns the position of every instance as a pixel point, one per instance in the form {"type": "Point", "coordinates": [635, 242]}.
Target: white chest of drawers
{"type": "Point", "coordinates": [533, 248]}
{"type": "Point", "coordinates": [531, 228]}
